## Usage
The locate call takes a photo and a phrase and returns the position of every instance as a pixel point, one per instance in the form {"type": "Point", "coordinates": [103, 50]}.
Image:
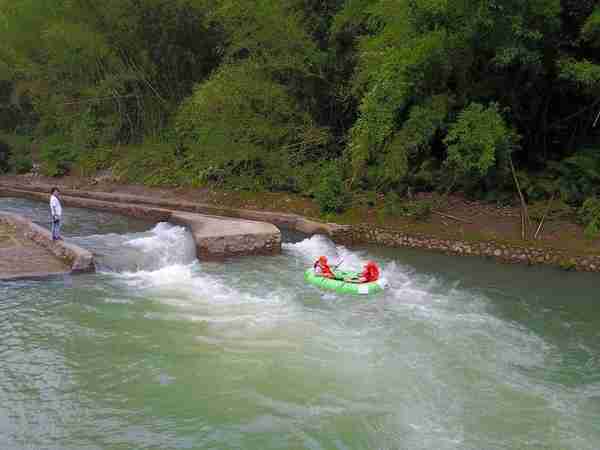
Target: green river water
{"type": "Point", "coordinates": [160, 351]}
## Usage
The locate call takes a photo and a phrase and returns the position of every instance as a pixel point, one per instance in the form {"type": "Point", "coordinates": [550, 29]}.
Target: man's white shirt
{"type": "Point", "coordinates": [55, 207]}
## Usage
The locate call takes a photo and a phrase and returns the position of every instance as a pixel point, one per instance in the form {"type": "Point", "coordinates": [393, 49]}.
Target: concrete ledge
{"type": "Point", "coordinates": [218, 238]}
{"type": "Point", "coordinates": [290, 221]}
{"type": "Point", "coordinates": [77, 258]}
{"type": "Point", "coordinates": [215, 237]}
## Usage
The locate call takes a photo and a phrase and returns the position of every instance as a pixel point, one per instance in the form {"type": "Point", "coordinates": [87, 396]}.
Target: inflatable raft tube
{"type": "Point", "coordinates": [343, 287]}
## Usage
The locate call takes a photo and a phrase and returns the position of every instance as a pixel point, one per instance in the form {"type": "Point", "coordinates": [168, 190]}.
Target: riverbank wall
{"type": "Point", "coordinates": [500, 251]}
{"type": "Point", "coordinates": [505, 252]}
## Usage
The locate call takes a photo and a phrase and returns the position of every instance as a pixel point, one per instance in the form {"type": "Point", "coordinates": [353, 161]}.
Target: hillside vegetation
{"type": "Point", "coordinates": [321, 98]}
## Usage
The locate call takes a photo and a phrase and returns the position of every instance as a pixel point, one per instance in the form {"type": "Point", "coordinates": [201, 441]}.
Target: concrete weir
{"type": "Point", "coordinates": [28, 251]}
{"type": "Point", "coordinates": [215, 237]}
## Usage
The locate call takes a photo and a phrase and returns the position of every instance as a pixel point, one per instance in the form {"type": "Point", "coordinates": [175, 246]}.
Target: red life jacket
{"type": "Point", "coordinates": [325, 269]}
{"type": "Point", "coordinates": [370, 273]}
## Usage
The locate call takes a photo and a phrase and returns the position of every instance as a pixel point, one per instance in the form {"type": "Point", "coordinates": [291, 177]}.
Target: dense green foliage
{"type": "Point", "coordinates": [477, 141]}
{"type": "Point", "coordinates": [15, 152]}
{"type": "Point", "coordinates": [265, 94]}
{"type": "Point", "coordinates": [589, 215]}
{"type": "Point", "coordinates": [330, 191]}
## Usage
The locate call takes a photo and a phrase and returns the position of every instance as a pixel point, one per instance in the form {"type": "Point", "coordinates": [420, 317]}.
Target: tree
{"type": "Point", "coordinates": [478, 140]}
{"type": "Point", "coordinates": [242, 121]}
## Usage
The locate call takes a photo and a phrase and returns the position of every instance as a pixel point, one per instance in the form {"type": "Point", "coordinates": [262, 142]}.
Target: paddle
{"type": "Point", "coordinates": [347, 280]}
{"type": "Point", "coordinates": [335, 268]}
{"type": "Point", "coordinates": [339, 264]}
{"type": "Point", "coordinates": [355, 279]}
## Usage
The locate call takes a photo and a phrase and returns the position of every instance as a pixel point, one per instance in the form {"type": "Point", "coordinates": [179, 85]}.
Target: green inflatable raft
{"type": "Point", "coordinates": [343, 287]}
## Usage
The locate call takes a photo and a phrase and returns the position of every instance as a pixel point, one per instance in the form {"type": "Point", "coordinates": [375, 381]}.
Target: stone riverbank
{"type": "Point", "coordinates": [500, 251]}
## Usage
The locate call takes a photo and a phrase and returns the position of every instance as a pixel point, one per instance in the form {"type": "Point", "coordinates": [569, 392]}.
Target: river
{"type": "Point", "coordinates": [160, 351]}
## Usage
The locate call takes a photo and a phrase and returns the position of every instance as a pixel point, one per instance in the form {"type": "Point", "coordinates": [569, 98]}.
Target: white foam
{"type": "Point", "coordinates": [173, 275]}
{"type": "Point", "coordinates": [167, 245]}
{"type": "Point", "coordinates": [311, 248]}
{"type": "Point", "coordinates": [118, 301]}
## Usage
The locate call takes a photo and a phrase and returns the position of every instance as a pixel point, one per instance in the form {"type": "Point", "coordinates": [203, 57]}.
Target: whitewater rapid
{"type": "Point", "coordinates": [165, 256]}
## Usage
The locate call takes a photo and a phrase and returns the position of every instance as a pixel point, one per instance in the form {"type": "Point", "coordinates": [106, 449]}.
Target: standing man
{"type": "Point", "coordinates": [56, 212]}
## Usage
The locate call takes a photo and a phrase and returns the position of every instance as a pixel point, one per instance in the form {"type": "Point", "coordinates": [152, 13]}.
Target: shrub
{"type": "Point", "coordinates": [392, 205]}
{"type": "Point", "coordinates": [153, 163]}
{"type": "Point", "coordinates": [589, 216]}
{"type": "Point", "coordinates": [21, 162]}
{"type": "Point", "coordinates": [307, 178]}
{"type": "Point", "coordinates": [18, 152]}
{"type": "Point", "coordinates": [57, 156]}
{"type": "Point", "coordinates": [246, 124]}
{"type": "Point", "coordinates": [427, 177]}
{"type": "Point", "coordinates": [568, 264]}
{"type": "Point", "coordinates": [365, 199]}
{"type": "Point", "coordinates": [4, 157]}
{"type": "Point", "coordinates": [578, 176]}
{"type": "Point", "coordinates": [212, 175]}
{"type": "Point", "coordinates": [331, 194]}
{"type": "Point", "coordinates": [90, 162]}
{"type": "Point", "coordinates": [396, 207]}
{"type": "Point", "coordinates": [478, 144]}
